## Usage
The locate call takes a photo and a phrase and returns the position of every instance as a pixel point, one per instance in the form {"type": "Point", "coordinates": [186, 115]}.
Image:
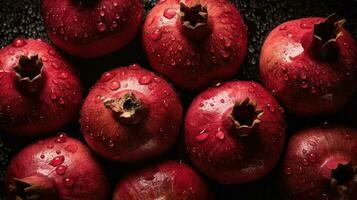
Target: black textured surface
{"type": "Point", "coordinates": [23, 18]}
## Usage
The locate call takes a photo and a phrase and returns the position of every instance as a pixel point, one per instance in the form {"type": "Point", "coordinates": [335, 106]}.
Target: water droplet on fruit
{"type": "Point", "coordinates": [283, 27]}
{"type": "Point", "coordinates": [225, 54]}
{"type": "Point", "coordinates": [114, 85]}
{"type": "Point", "coordinates": [19, 42]}
{"type": "Point", "coordinates": [101, 27]}
{"type": "Point", "coordinates": [145, 80]}
{"type": "Point", "coordinates": [304, 84]}
{"type": "Point", "coordinates": [68, 182]}
{"type": "Point", "coordinates": [201, 137]}
{"type": "Point", "coordinates": [220, 135]}
{"type": "Point", "coordinates": [106, 77]}
{"type": "Point", "coordinates": [290, 35]}
{"type": "Point", "coordinates": [61, 101]}
{"type": "Point", "coordinates": [51, 52]}
{"type": "Point", "coordinates": [305, 25]}
{"type": "Point", "coordinates": [156, 35]}
{"type": "Point", "coordinates": [271, 108]}
{"type": "Point", "coordinates": [102, 13]}
{"type": "Point", "coordinates": [53, 96]}
{"type": "Point", "coordinates": [312, 157]}
{"type": "Point", "coordinates": [61, 138]}
{"type": "Point", "coordinates": [42, 156]}
{"type": "Point", "coordinates": [110, 143]}
{"type": "Point", "coordinates": [60, 170]}
{"type": "Point", "coordinates": [288, 171]}
{"type": "Point", "coordinates": [169, 13]}
{"type": "Point", "coordinates": [63, 75]}
{"type": "Point", "coordinates": [57, 161]}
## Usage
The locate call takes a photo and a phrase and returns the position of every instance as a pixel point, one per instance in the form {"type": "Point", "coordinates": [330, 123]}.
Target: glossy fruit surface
{"type": "Point", "coordinates": [40, 92]}
{"type": "Point", "coordinates": [235, 132]}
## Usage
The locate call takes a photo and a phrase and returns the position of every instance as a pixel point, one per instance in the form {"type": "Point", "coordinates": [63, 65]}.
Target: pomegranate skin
{"type": "Point", "coordinates": [310, 157]}
{"type": "Point", "coordinates": [92, 28]}
{"type": "Point", "coordinates": [308, 86]}
{"type": "Point", "coordinates": [215, 52]}
{"type": "Point", "coordinates": [68, 166]}
{"type": "Point", "coordinates": [147, 133]}
{"type": "Point", "coordinates": [47, 103]}
{"type": "Point", "coordinates": [167, 180]}
{"type": "Point", "coordinates": [233, 154]}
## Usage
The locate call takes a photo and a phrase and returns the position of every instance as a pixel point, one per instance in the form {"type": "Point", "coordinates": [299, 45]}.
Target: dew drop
{"type": "Point", "coordinates": [220, 135]}
{"type": "Point", "coordinates": [305, 25]}
{"type": "Point", "coordinates": [106, 77]}
{"type": "Point", "coordinates": [222, 100]}
{"type": "Point", "coordinates": [61, 101]}
{"type": "Point", "coordinates": [51, 52]}
{"type": "Point", "coordinates": [61, 138]}
{"type": "Point", "coordinates": [288, 171]}
{"type": "Point", "coordinates": [102, 13]}
{"type": "Point", "coordinates": [71, 148]}
{"type": "Point", "coordinates": [19, 42]}
{"type": "Point", "coordinates": [201, 137]}
{"type": "Point", "coordinates": [42, 156]}
{"type": "Point", "coordinates": [156, 35]}
{"type": "Point", "coordinates": [57, 161]}
{"type": "Point", "coordinates": [101, 27]}
{"type": "Point", "coordinates": [283, 27]}
{"type": "Point", "coordinates": [169, 13]}
{"type": "Point", "coordinates": [225, 54]}
{"type": "Point", "coordinates": [63, 75]}
{"type": "Point", "coordinates": [60, 170]}
{"type": "Point", "coordinates": [145, 80]}
{"type": "Point", "coordinates": [114, 85]}
{"type": "Point", "coordinates": [68, 182]}
{"type": "Point", "coordinates": [312, 157]}
{"type": "Point", "coordinates": [110, 143]}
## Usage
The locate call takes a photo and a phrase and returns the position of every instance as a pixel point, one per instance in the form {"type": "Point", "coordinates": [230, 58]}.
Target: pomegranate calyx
{"type": "Point", "coordinates": [325, 35]}
{"type": "Point", "coordinates": [194, 20]}
{"type": "Point", "coordinates": [342, 176]}
{"type": "Point", "coordinates": [245, 117]}
{"type": "Point", "coordinates": [129, 109]}
{"type": "Point", "coordinates": [29, 73]}
{"type": "Point", "coordinates": [33, 187]}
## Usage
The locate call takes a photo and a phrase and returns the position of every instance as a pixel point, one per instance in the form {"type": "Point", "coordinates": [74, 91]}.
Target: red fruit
{"type": "Point", "coordinates": [56, 168]}
{"type": "Point", "coordinates": [321, 163]}
{"type": "Point", "coordinates": [40, 92]}
{"type": "Point", "coordinates": [195, 43]}
{"type": "Point", "coordinates": [91, 28]}
{"type": "Point", "coordinates": [168, 180]}
{"type": "Point", "coordinates": [235, 132]}
{"type": "Point", "coordinates": [131, 114]}
{"type": "Point", "coordinates": [310, 64]}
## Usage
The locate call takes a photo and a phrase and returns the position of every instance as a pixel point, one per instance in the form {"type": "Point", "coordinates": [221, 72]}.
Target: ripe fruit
{"type": "Point", "coordinates": [321, 163]}
{"type": "Point", "coordinates": [40, 92]}
{"type": "Point", "coordinates": [91, 28]}
{"type": "Point", "coordinates": [131, 114]}
{"type": "Point", "coordinates": [168, 180]}
{"type": "Point", "coordinates": [235, 132]}
{"type": "Point", "coordinates": [195, 43]}
{"type": "Point", "coordinates": [310, 64]}
{"type": "Point", "coordinates": [56, 168]}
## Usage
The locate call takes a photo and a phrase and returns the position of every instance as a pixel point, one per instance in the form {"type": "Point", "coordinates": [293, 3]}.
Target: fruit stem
{"type": "Point", "coordinates": [29, 73]}
{"type": "Point", "coordinates": [33, 187]}
{"type": "Point", "coordinates": [128, 109]}
{"type": "Point", "coordinates": [245, 117]}
{"type": "Point", "coordinates": [194, 20]}
{"type": "Point", "coordinates": [340, 172]}
{"type": "Point", "coordinates": [325, 35]}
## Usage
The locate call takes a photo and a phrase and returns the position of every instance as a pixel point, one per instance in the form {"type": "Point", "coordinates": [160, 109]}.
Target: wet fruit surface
{"type": "Point", "coordinates": [23, 18]}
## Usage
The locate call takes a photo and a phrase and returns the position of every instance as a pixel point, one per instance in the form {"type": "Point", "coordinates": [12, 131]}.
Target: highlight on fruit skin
{"type": "Point", "coordinates": [131, 114]}
{"type": "Point", "coordinates": [310, 64]}
{"type": "Point", "coordinates": [320, 162]}
{"type": "Point", "coordinates": [40, 91]}
{"type": "Point", "coordinates": [195, 43]}
{"type": "Point", "coordinates": [165, 180]}
{"type": "Point", "coordinates": [235, 132]}
{"type": "Point", "coordinates": [59, 167]}
{"type": "Point", "coordinates": [92, 28]}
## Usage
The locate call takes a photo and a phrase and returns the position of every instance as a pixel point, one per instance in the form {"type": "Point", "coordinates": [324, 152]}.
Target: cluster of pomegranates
{"type": "Point", "coordinates": [234, 131]}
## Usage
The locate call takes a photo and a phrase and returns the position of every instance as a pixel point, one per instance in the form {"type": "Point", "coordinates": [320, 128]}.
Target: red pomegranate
{"type": "Point", "coordinates": [195, 43]}
{"type": "Point", "coordinates": [321, 163]}
{"type": "Point", "coordinates": [56, 168]}
{"type": "Point", "coordinates": [39, 89]}
{"type": "Point", "coordinates": [235, 132]}
{"type": "Point", "coordinates": [91, 28]}
{"type": "Point", "coordinates": [131, 114]}
{"type": "Point", "coordinates": [311, 65]}
{"type": "Point", "coordinates": [167, 180]}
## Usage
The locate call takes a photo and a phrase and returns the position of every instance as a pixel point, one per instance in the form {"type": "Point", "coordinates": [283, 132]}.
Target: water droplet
{"type": "Point", "coordinates": [63, 75]}
{"type": "Point", "coordinates": [145, 80]}
{"type": "Point", "coordinates": [58, 151]}
{"type": "Point", "coordinates": [305, 25]}
{"type": "Point", "coordinates": [283, 27]}
{"type": "Point", "coordinates": [68, 182]}
{"type": "Point", "coordinates": [51, 52]}
{"type": "Point", "coordinates": [101, 26]}
{"type": "Point", "coordinates": [19, 42]}
{"type": "Point", "coordinates": [227, 43]}
{"type": "Point", "coordinates": [166, 103]}
{"type": "Point", "coordinates": [288, 171]}
{"type": "Point", "coordinates": [60, 170]}
{"type": "Point", "coordinates": [222, 100]}
{"type": "Point", "coordinates": [201, 137]}
{"type": "Point", "coordinates": [61, 138]}
{"type": "Point", "coordinates": [110, 143]}
{"type": "Point", "coordinates": [305, 162]}
{"type": "Point", "coordinates": [312, 157]}
{"type": "Point", "coordinates": [290, 35]}
{"type": "Point", "coordinates": [225, 54]}
{"type": "Point", "coordinates": [71, 148]}
{"type": "Point", "coordinates": [57, 161]}
{"type": "Point", "coordinates": [271, 108]}
{"type": "Point", "coordinates": [102, 13]}
{"type": "Point", "coordinates": [169, 13]}
{"type": "Point", "coordinates": [53, 96]}
{"type": "Point", "coordinates": [42, 156]}
{"type": "Point", "coordinates": [114, 85]}
{"type": "Point", "coordinates": [220, 135]}
{"type": "Point", "coordinates": [106, 77]}
{"type": "Point", "coordinates": [156, 35]}
{"type": "Point", "coordinates": [304, 84]}
{"type": "Point", "coordinates": [61, 101]}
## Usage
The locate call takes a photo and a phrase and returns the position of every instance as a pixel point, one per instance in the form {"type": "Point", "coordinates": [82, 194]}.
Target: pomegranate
{"type": "Point", "coordinates": [235, 132]}
{"type": "Point", "coordinates": [321, 163]}
{"type": "Point", "coordinates": [56, 168]}
{"type": "Point", "coordinates": [91, 28]}
{"type": "Point", "coordinates": [167, 180]}
{"type": "Point", "coordinates": [195, 43]}
{"type": "Point", "coordinates": [39, 89]}
{"type": "Point", "coordinates": [131, 114]}
{"type": "Point", "coordinates": [311, 65]}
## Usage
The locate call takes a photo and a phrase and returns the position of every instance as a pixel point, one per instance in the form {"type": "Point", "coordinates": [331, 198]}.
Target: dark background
{"type": "Point", "coordinates": [23, 18]}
